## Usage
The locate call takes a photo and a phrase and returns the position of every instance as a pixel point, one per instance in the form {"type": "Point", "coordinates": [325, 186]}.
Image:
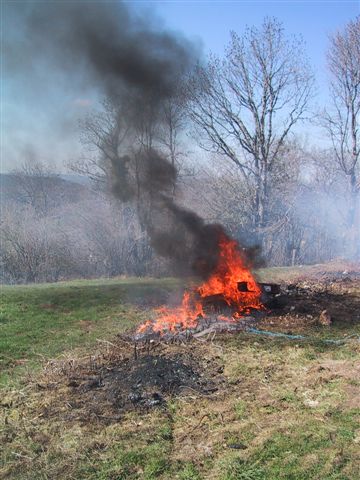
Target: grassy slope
{"type": "Point", "coordinates": [296, 421]}
{"type": "Point", "coordinates": [44, 320]}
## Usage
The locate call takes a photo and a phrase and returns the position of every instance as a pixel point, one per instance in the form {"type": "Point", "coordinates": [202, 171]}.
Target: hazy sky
{"type": "Point", "coordinates": [42, 104]}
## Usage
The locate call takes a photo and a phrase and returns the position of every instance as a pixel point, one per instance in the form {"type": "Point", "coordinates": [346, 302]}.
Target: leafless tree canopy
{"type": "Point", "coordinates": [245, 105]}
{"type": "Point", "coordinates": [342, 119]}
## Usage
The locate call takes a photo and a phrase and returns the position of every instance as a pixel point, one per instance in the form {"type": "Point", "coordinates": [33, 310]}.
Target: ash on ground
{"type": "Point", "coordinates": [123, 380]}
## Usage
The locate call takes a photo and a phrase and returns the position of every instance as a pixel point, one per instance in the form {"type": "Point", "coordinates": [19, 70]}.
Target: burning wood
{"type": "Point", "coordinates": [230, 289]}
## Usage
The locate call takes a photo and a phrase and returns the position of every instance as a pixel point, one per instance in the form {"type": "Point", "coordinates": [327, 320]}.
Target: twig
{"type": "Point", "coordinates": [194, 428]}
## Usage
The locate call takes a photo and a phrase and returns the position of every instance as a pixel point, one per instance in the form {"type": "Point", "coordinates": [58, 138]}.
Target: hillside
{"type": "Point", "coordinates": [57, 187]}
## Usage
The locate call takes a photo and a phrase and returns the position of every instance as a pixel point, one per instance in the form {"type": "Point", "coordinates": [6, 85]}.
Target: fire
{"type": "Point", "coordinates": [231, 281]}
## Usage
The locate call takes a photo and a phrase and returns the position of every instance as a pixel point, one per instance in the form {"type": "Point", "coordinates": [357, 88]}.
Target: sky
{"type": "Point", "coordinates": [41, 105]}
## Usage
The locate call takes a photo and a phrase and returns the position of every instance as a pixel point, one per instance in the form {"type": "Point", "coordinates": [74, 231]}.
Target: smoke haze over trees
{"type": "Point", "coordinates": [149, 207]}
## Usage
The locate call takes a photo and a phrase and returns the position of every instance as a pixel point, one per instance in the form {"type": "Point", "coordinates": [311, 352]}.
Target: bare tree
{"type": "Point", "coordinates": [105, 134]}
{"type": "Point", "coordinates": [248, 103]}
{"type": "Point", "coordinates": [173, 127]}
{"type": "Point", "coordinates": [112, 237]}
{"type": "Point", "coordinates": [35, 184]}
{"type": "Point", "coordinates": [33, 248]}
{"type": "Point", "coordinates": [342, 121]}
{"type": "Point", "coordinates": [115, 132]}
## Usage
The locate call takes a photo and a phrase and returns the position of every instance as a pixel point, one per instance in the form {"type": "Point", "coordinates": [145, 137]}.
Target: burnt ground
{"type": "Point", "coordinates": [299, 306]}
{"type": "Point", "coordinates": [122, 379]}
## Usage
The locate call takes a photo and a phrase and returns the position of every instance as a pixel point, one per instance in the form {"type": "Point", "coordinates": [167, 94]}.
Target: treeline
{"type": "Point", "coordinates": [66, 230]}
{"type": "Point", "coordinates": [54, 229]}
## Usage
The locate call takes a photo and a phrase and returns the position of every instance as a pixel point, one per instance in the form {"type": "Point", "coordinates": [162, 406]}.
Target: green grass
{"type": "Point", "coordinates": [291, 416]}
{"type": "Point", "coordinates": [301, 452]}
{"type": "Point", "coordinates": [41, 321]}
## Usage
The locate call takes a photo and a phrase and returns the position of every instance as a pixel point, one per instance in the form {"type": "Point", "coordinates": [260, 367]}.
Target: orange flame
{"type": "Point", "coordinates": [224, 282]}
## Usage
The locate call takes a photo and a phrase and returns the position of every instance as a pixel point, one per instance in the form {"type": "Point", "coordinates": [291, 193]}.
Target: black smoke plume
{"type": "Point", "coordinates": [116, 50]}
{"type": "Point", "coordinates": [138, 64]}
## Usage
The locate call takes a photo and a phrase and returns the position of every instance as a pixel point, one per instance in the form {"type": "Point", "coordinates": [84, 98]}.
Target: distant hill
{"type": "Point", "coordinates": [58, 188]}
{"type": "Point", "coordinates": [81, 179]}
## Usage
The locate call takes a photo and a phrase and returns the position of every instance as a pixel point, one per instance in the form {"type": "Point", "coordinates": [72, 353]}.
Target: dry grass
{"type": "Point", "coordinates": [292, 410]}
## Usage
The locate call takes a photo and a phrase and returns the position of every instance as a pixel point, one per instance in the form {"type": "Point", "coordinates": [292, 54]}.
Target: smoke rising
{"type": "Point", "coordinates": [118, 51]}
{"type": "Point", "coordinates": [138, 65]}
{"type": "Point", "coordinates": [175, 232]}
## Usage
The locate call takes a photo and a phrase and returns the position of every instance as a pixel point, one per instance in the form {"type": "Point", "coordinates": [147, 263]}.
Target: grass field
{"type": "Point", "coordinates": [42, 321]}
{"type": "Point", "coordinates": [286, 410]}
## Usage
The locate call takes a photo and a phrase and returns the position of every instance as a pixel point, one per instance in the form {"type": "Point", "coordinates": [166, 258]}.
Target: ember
{"type": "Point", "coordinates": [231, 285]}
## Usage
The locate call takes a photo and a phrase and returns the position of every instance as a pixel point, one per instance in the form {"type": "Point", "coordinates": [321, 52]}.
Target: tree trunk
{"type": "Point", "coordinates": [261, 202]}
{"type": "Point", "coordinates": [353, 234]}
{"type": "Point", "coordinates": [354, 193]}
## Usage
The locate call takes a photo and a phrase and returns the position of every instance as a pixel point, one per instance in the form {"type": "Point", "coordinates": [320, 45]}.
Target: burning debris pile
{"type": "Point", "coordinates": [227, 295]}
{"type": "Point", "coordinates": [292, 307]}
